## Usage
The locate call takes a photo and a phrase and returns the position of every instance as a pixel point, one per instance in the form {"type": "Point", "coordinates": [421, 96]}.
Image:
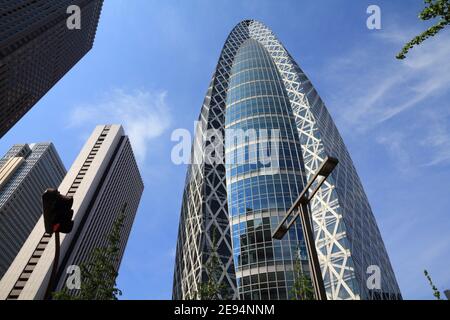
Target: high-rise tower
{"type": "Point", "coordinates": [26, 171]}
{"type": "Point", "coordinates": [105, 184]}
{"type": "Point", "coordinates": [257, 87]}
{"type": "Point", "coordinates": [37, 49]}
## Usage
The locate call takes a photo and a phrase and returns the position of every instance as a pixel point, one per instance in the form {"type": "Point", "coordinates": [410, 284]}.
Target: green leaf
{"type": "Point", "coordinates": [435, 9]}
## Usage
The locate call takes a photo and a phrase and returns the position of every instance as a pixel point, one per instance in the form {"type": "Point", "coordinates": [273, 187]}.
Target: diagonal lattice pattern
{"type": "Point", "coordinates": [347, 236]}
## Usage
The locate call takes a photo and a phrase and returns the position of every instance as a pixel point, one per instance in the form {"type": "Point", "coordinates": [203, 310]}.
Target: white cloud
{"type": "Point", "coordinates": [381, 87]}
{"type": "Point", "coordinates": [400, 104]}
{"type": "Point", "coordinates": [144, 115]}
{"type": "Point", "coordinates": [437, 138]}
{"type": "Point", "coordinates": [394, 141]}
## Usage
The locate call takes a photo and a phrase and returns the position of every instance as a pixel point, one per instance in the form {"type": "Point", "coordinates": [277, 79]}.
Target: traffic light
{"type": "Point", "coordinates": [57, 212]}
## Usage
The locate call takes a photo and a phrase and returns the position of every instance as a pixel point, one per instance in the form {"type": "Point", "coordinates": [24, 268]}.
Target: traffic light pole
{"type": "Point", "coordinates": [52, 280]}
{"type": "Point", "coordinates": [300, 209]}
{"type": "Point", "coordinates": [58, 213]}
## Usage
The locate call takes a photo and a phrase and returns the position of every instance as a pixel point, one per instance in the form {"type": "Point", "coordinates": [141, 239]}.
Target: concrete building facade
{"type": "Point", "coordinates": [105, 183]}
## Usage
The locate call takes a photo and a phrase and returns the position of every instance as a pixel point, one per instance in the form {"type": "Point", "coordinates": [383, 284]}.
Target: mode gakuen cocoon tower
{"type": "Point", "coordinates": [230, 209]}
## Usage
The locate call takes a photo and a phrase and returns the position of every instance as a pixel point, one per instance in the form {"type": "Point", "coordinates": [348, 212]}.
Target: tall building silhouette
{"type": "Point", "coordinates": [37, 49]}
{"type": "Point", "coordinates": [105, 184]}
{"type": "Point", "coordinates": [26, 171]}
{"type": "Point", "coordinates": [230, 208]}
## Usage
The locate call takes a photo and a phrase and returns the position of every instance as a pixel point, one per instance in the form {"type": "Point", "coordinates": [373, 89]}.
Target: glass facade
{"type": "Point", "coordinates": [260, 92]}
{"type": "Point", "coordinates": [21, 194]}
{"type": "Point", "coordinates": [37, 49]}
{"type": "Point", "coordinates": [258, 198]}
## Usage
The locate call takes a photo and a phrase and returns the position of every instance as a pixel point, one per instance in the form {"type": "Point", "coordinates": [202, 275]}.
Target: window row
{"type": "Point", "coordinates": [262, 105]}
{"type": "Point", "coordinates": [255, 88]}
{"type": "Point", "coordinates": [252, 75]}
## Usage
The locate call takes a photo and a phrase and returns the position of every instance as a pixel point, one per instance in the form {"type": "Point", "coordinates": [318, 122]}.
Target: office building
{"type": "Point", "coordinates": [37, 49]}
{"type": "Point", "coordinates": [258, 88]}
{"type": "Point", "coordinates": [26, 171]}
{"type": "Point", "coordinates": [105, 184]}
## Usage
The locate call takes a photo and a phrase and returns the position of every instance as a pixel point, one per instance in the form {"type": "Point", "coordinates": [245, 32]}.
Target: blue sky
{"type": "Point", "coordinates": [150, 68]}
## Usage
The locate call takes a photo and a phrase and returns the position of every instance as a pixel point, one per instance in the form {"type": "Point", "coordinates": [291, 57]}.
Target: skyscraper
{"type": "Point", "coordinates": [105, 183]}
{"type": "Point", "coordinates": [26, 171]}
{"type": "Point", "coordinates": [257, 87]}
{"type": "Point", "coordinates": [37, 49]}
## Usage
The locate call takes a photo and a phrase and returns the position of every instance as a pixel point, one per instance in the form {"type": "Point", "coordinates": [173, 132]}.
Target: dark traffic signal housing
{"type": "Point", "coordinates": [57, 212]}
